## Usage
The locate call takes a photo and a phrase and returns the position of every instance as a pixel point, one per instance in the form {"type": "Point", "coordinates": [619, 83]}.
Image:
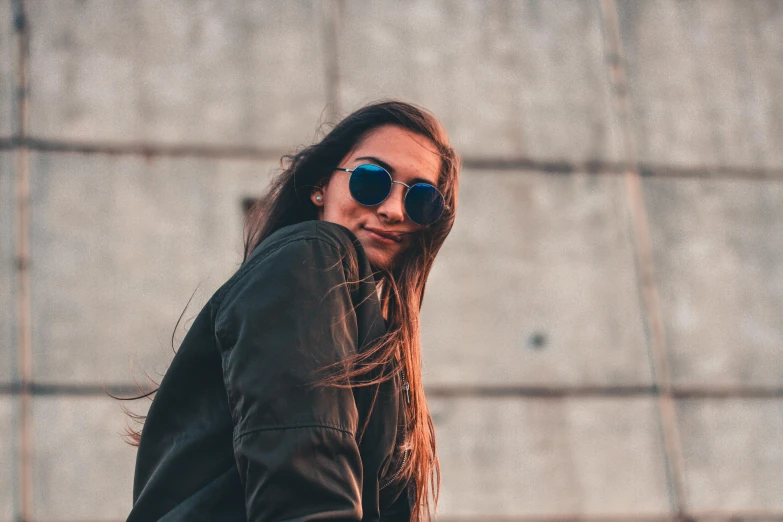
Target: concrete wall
{"type": "Point", "coordinates": [603, 330]}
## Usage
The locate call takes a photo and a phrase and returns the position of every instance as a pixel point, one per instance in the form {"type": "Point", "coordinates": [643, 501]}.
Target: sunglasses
{"type": "Point", "coordinates": [370, 185]}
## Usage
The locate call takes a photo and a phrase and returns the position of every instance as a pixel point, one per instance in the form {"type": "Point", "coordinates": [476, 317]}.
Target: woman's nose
{"type": "Point", "coordinates": [392, 208]}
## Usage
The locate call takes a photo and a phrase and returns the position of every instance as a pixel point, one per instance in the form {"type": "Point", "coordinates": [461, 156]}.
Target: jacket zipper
{"type": "Point", "coordinates": [399, 470]}
{"type": "Point", "coordinates": [406, 389]}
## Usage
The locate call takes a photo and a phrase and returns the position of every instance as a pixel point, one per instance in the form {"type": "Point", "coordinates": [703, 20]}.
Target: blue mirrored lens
{"type": "Point", "coordinates": [424, 204]}
{"type": "Point", "coordinates": [369, 184]}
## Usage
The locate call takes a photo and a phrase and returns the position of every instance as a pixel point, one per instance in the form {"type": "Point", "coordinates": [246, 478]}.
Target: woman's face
{"type": "Point", "coordinates": [409, 158]}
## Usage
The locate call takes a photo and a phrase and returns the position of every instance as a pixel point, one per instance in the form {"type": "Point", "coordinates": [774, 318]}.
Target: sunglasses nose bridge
{"type": "Point", "coordinates": [403, 191]}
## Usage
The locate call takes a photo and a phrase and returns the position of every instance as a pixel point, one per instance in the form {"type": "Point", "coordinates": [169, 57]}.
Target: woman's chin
{"type": "Point", "coordinates": [379, 259]}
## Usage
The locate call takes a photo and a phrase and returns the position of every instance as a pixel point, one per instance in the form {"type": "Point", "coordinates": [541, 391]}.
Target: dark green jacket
{"type": "Point", "coordinates": [234, 433]}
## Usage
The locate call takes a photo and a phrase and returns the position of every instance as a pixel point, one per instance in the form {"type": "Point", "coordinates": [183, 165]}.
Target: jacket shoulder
{"type": "Point", "coordinates": [293, 245]}
{"type": "Point", "coordinates": [333, 234]}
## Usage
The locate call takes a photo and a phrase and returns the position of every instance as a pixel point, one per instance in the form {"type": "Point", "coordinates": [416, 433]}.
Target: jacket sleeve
{"type": "Point", "coordinates": [295, 448]}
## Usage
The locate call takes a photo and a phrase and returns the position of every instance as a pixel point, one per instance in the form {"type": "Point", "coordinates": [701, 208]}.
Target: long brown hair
{"type": "Point", "coordinates": [287, 201]}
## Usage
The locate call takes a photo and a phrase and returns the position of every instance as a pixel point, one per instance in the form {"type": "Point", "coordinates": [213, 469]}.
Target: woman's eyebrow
{"type": "Point", "coordinates": [388, 167]}
{"type": "Point", "coordinates": [379, 162]}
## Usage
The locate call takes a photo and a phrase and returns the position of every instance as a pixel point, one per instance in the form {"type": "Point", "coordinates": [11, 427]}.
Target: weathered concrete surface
{"type": "Point", "coordinates": [508, 79]}
{"type": "Point", "coordinates": [733, 454]}
{"type": "Point", "coordinates": [9, 477]}
{"type": "Point", "coordinates": [705, 80]}
{"type": "Point", "coordinates": [498, 456]}
{"type": "Point", "coordinates": [751, 517]}
{"type": "Point", "coordinates": [549, 457]}
{"type": "Point", "coordinates": [717, 252]}
{"type": "Point", "coordinates": [6, 68]}
{"type": "Point", "coordinates": [7, 269]}
{"type": "Point", "coordinates": [82, 468]}
{"type": "Point", "coordinates": [536, 285]}
{"type": "Point", "coordinates": [119, 245]}
{"type": "Point", "coordinates": [251, 73]}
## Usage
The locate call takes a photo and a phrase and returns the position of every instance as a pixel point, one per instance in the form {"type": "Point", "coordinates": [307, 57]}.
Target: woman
{"type": "Point", "coordinates": [297, 393]}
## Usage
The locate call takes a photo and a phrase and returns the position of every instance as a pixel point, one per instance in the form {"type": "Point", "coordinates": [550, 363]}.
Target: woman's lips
{"type": "Point", "coordinates": [381, 238]}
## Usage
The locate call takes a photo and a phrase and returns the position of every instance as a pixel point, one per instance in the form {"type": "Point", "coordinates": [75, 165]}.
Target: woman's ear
{"type": "Point", "coordinates": [317, 197]}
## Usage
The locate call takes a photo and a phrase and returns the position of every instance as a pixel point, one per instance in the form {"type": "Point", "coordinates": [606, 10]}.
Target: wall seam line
{"type": "Point", "coordinates": [498, 164]}
{"type": "Point", "coordinates": [22, 265]}
{"type": "Point", "coordinates": [331, 20]}
{"type": "Point", "coordinates": [648, 284]}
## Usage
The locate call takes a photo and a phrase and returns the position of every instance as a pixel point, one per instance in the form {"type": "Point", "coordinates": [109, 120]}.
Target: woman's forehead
{"type": "Point", "coordinates": [406, 155]}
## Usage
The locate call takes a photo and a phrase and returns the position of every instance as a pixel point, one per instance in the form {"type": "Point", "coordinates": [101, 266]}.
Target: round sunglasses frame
{"type": "Point", "coordinates": [404, 198]}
